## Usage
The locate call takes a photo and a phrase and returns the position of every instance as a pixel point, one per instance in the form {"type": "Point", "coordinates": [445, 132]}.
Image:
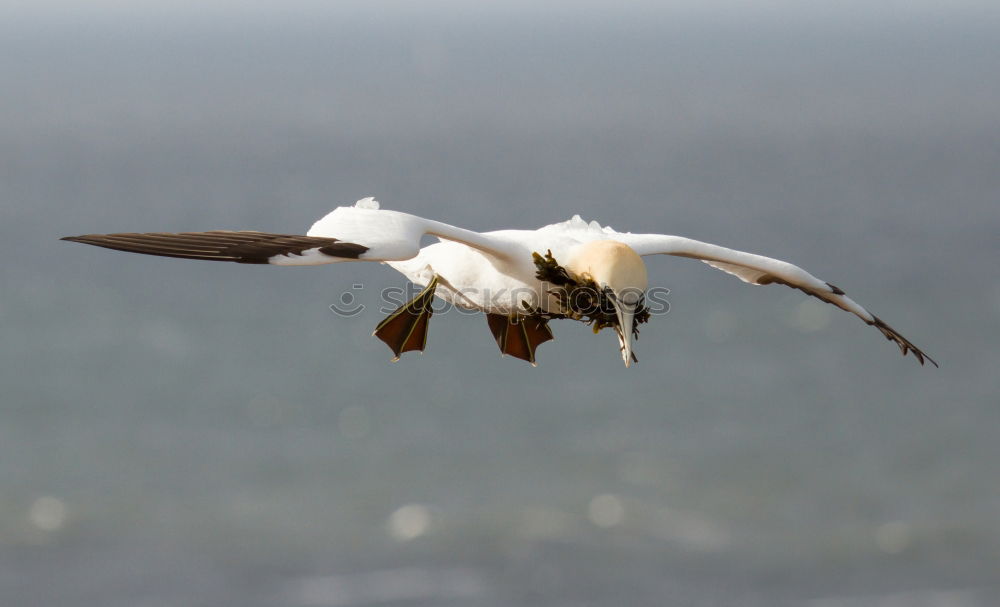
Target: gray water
{"type": "Point", "coordinates": [188, 433]}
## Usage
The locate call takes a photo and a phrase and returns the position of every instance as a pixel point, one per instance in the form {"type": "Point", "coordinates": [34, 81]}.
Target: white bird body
{"type": "Point", "coordinates": [507, 284]}
{"type": "Point", "coordinates": [474, 280]}
{"type": "Point", "coordinates": [496, 272]}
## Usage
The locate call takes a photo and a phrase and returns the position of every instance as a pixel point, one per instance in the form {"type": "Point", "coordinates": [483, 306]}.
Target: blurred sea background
{"type": "Point", "coordinates": [200, 434]}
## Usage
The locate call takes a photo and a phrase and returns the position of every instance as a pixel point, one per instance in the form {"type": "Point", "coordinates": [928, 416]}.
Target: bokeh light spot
{"type": "Point", "coordinates": [409, 522]}
{"type": "Point", "coordinates": [893, 537]}
{"type": "Point", "coordinates": [810, 316]}
{"type": "Point", "coordinates": [606, 510]}
{"type": "Point", "coordinates": [48, 513]}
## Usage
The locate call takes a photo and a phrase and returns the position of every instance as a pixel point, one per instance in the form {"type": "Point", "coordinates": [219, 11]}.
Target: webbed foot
{"type": "Point", "coordinates": [519, 335]}
{"type": "Point", "coordinates": [406, 328]}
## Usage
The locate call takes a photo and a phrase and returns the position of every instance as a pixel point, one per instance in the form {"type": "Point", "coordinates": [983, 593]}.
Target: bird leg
{"type": "Point", "coordinates": [519, 335]}
{"type": "Point", "coordinates": [406, 328]}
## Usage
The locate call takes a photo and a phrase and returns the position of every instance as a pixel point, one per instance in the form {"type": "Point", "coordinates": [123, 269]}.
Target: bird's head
{"type": "Point", "coordinates": [620, 273]}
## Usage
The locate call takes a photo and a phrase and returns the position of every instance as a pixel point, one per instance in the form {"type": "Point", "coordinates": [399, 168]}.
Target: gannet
{"type": "Point", "coordinates": [521, 279]}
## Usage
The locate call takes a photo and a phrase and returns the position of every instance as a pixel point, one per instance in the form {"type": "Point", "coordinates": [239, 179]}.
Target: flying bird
{"type": "Point", "coordinates": [521, 279]}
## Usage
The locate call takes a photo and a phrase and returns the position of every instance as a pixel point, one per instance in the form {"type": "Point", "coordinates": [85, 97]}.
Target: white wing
{"type": "Point", "coordinates": [358, 233]}
{"type": "Point", "coordinates": [760, 270]}
{"type": "Point", "coordinates": [395, 236]}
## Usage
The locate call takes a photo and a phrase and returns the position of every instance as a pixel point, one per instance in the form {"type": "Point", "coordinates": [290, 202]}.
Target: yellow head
{"type": "Point", "coordinates": [614, 266]}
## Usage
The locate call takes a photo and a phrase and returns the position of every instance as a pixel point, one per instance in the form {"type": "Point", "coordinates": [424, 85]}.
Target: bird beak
{"type": "Point", "coordinates": [625, 314]}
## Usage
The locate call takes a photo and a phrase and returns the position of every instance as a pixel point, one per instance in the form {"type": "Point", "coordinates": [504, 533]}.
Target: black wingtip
{"type": "Point", "coordinates": [222, 245]}
{"type": "Point", "coordinates": [904, 344]}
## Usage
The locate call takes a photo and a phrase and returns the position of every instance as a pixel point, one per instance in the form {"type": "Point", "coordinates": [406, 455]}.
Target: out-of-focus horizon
{"type": "Point", "coordinates": [856, 10]}
{"type": "Point", "coordinates": [199, 433]}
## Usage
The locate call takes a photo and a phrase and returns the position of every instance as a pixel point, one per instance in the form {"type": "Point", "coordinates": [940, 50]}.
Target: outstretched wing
{"type": "Point", "coordinates": [395, 236]}
{"type": "Point", "coordinates": [239, 247]}
{"type": "Point", "coordinates": [760, 270]}
{"type": "Point", "coordinates": [359, 233]}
